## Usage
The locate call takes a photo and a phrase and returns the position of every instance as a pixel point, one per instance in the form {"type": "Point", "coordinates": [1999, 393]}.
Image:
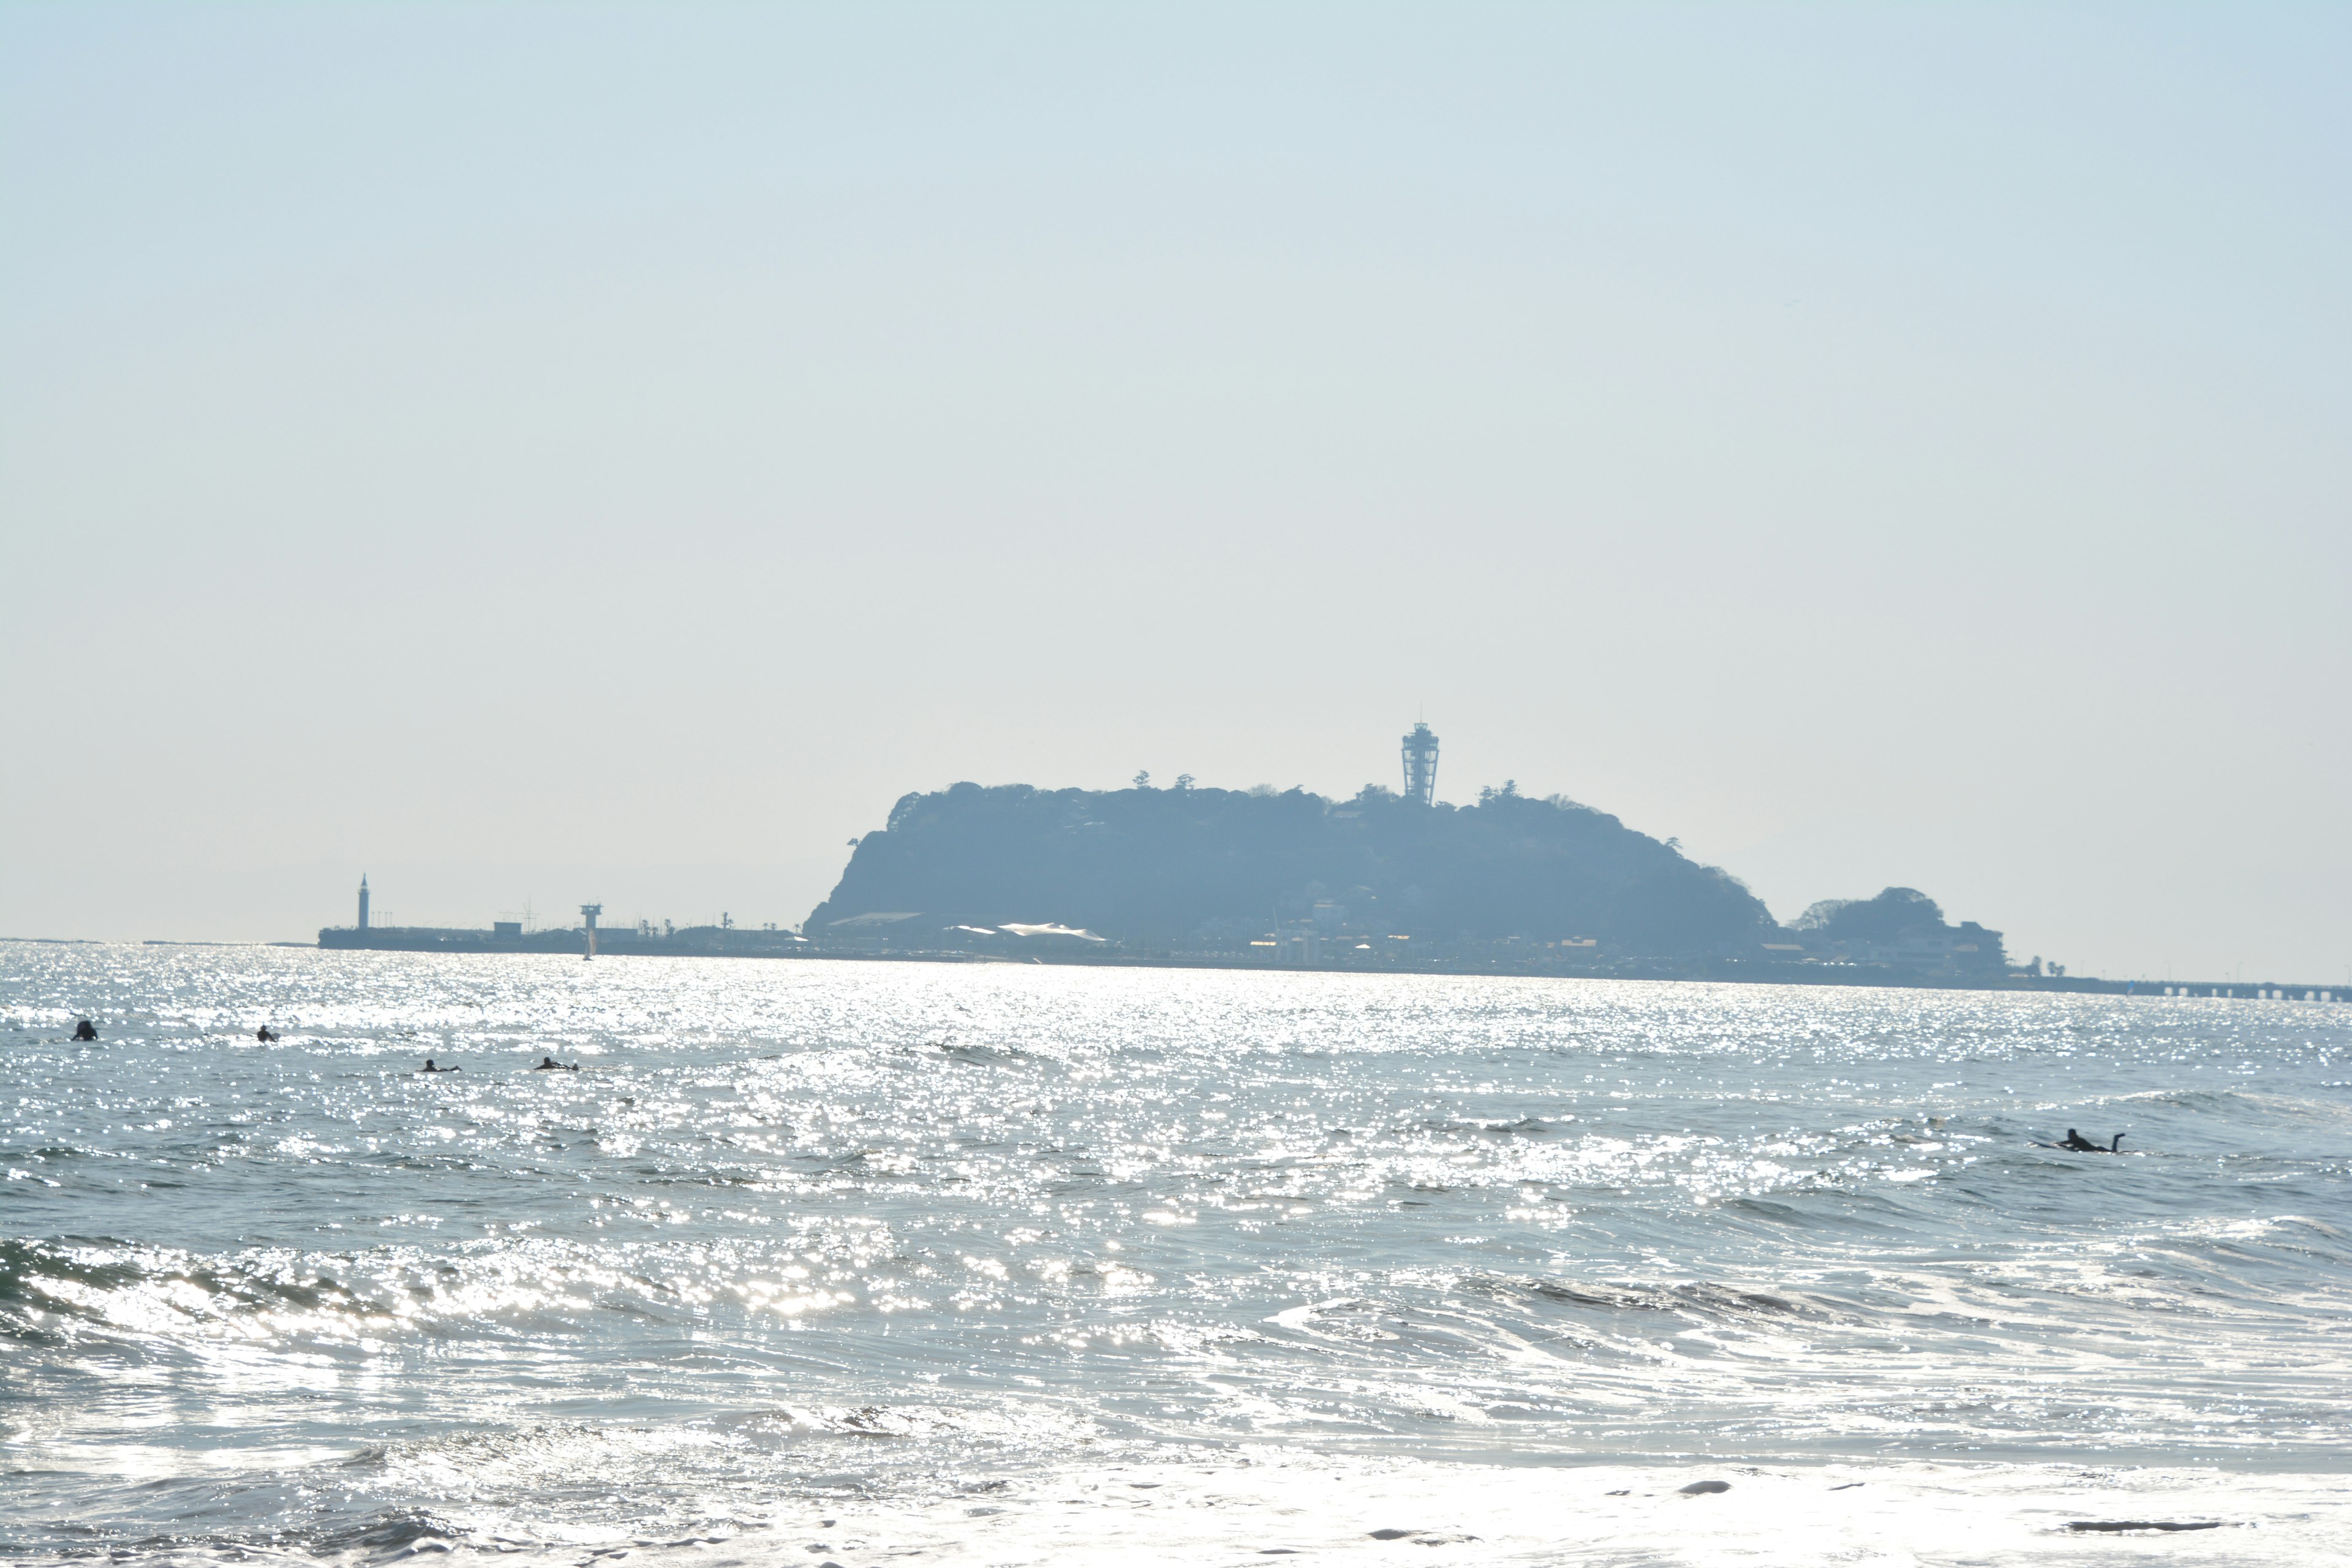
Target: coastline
{"type": "Point", "coordinates": [1532, 964]}
{"type": "Point", "coordinates": [1710, 972]}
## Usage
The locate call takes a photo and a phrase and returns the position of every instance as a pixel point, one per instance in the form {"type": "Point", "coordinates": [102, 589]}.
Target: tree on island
{"type": "Point", "coordinates": [1893, 914]}
{"type": "Point", "coordinates": [1899, 922]}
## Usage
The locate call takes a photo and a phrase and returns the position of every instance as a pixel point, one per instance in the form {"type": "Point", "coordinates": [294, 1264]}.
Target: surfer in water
{"type": "Point", "coordinates": [549, 1064]}
{"type": "Point", "coordinates": [266, 1034]}
{"type": "Point", "coordinates": [2081, 1146]}
{"type": "Point", "coordinates": [428, 1067]}
{"type": "Point", "coordinates": [85, 1030]}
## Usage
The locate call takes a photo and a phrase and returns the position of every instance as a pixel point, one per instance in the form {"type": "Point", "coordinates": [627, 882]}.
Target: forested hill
{"type": "Point", "coordinates": [1173, 866]}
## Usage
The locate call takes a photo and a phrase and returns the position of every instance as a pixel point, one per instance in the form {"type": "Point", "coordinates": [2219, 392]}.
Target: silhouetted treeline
{"type": "Point", "coordinates": [1900, 926]}
{"type": "Point", "coordinates": [1893, 914]}
{"type": "Point", "coordinates": [1174, 867]}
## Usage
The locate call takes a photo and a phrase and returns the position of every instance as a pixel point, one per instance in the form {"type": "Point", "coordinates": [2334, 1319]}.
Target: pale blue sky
{"type": "Point", "coordinates": [612, 451]}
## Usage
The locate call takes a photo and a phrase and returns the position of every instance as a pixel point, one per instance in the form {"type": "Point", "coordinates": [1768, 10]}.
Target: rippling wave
{"type": "Point", "coordinates": [997, 1263]}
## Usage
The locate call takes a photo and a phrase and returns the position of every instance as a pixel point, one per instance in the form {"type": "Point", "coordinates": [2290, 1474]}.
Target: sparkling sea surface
{"type": "Point", "coordinates": [859, 1263]}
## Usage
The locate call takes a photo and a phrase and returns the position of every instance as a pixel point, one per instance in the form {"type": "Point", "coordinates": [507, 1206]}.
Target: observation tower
{"type": "Point", "coordinates": [1421, 765]}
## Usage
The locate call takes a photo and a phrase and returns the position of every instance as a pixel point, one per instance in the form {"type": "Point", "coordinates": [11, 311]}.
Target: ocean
{"type": "Point", "coordinates": [863, 1263]}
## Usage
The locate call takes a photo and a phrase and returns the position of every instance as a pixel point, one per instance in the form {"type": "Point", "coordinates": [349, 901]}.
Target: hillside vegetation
{"type": "Point", "coordinates": [1174, 867]}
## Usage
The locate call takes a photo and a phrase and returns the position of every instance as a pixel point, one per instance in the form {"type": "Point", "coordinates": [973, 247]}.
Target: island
{"type": "Point", "coordinates": [1381, 880]}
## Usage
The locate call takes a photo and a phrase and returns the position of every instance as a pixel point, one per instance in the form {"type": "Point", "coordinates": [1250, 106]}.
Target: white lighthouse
{"type": "Point", "coordinates": [362, 901]}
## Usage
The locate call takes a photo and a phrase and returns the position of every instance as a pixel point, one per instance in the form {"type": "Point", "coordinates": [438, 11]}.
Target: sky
{"type": "Point", "coordinates": [534, 454]}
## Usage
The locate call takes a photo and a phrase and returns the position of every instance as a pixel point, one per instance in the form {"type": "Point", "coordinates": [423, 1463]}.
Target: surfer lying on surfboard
{"type": "Point", "coordinates": [2077, 1144]}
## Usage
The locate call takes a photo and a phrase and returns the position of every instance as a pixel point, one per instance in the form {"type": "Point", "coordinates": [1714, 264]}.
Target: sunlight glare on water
{"type": "Point", "coordinates": [870, 1241]}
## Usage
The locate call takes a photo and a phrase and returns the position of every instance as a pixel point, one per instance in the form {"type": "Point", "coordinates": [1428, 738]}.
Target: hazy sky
{"type": "Point", "coordinates": [614, 451]}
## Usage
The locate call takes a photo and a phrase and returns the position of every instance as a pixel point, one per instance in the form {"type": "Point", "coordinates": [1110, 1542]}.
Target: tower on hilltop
{"type": "Point", "coordinates": [1421, 765]}
{"type": "Point", "coordinates": [362, 901]}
